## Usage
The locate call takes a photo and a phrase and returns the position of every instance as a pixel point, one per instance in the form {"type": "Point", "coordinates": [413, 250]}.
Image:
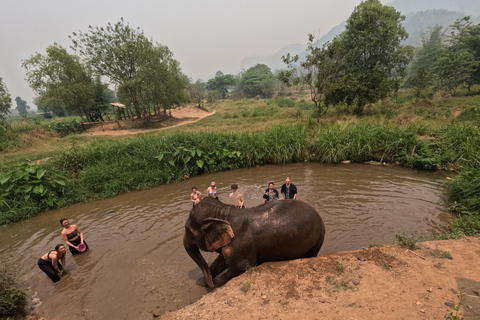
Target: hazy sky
{"type": "Point", "coordinates": [204, 36]}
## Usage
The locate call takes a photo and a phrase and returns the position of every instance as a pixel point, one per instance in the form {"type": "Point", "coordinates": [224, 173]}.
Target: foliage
{"type": "Point", "coordinates": [321, 65]}
{"type": "Point", "coordinates": [457, 143]}
{"type": "Point", "coordinates": [12, 299]}
{"type": "Point", "coordinates": [64, 128]}
{"type": "Point", "coordinates": [22, 106]}
{"type": "Point", "coordinates": [61, 79]}
{"type": "Point", "coordinates": [144, 73]}
{"type": "Point", "coordinates": [197, 91]}
{"type": "Point", "coordinates": [362, 142]}
{"type": "Point", "coordinates": [33, 182]}
{"type": "Point", "coordinates": [456, 308]}
{"type": "Point", "coordinates": [257, 81]}
{"type": "Point", "coordinates": [163, 83]}
{"type": "Point", "coordinates": [406, 241]}
{"type": "Point", "coordinates": [464, 191]}
{"type": "Point", "coordinates": [221, 83]}
{"type": "Point", "coordinates": [5, 101]}
{"type": "Point", "coordinates": [372, 57]}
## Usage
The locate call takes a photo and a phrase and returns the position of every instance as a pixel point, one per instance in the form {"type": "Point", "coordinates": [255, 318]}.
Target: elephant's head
{"type": "Point", "coordinates": [202, 231]}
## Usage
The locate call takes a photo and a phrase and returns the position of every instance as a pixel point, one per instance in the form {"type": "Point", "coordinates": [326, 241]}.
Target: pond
{"type": "Point", "coordinates": [136, 265]}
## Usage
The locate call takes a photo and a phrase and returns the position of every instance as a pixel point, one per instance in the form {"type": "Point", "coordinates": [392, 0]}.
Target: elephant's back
{"type": "Point", "coordinates": [287, 229]}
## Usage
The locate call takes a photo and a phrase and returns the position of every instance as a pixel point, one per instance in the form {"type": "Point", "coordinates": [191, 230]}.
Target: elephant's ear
{"type": "Point", "coordinates": [218, 233]}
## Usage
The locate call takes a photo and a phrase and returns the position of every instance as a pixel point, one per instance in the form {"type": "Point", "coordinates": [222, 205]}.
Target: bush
{"type": "Point", "coordinates": [464, 191]}
{"type": "Point", "coordinates": [12, 299]}
{"type": "Point", "coordinates": [64, 128]}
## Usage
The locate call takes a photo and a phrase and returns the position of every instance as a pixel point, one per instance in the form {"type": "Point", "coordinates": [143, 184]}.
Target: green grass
{"type": "Point", "coordinates": [423, 135]}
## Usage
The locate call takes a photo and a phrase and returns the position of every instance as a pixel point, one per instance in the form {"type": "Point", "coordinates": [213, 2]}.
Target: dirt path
{"type": "Point", "coordinates": [186, 113]}
{"type": "Point", "coordinates": [384, 282]}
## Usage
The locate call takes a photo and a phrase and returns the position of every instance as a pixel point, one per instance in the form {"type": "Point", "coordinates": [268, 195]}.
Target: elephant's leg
{"type": "Point", "coordinates": [238, 260]}
{"type": "Point", "coordinates": [313, 252]}
{"type": "Point", "coordinates": [218, 266]}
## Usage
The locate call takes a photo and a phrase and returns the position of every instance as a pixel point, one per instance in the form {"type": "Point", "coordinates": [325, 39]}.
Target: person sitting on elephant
{"type": "Point", "coordinates": [237, 197]}
{"type": "Point", "coordinates": [289, 190]}
{"type": "Point", "coordinates": [270, 194]}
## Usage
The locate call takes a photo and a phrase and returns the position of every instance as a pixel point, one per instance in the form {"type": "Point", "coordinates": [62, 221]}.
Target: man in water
{"type": "Point", "coordinates": [236, 197]}
{"type": "Point", "coordinates": [270, 194]}
{"type": "Point", "coordinates": [289, 190]}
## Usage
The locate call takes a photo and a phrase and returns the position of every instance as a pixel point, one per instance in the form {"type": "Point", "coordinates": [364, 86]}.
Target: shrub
{"type": "Point", "coordinates": [12, 299]}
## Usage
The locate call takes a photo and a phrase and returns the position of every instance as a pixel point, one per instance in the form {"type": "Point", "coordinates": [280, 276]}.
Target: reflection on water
{"type": "Point", "coordinates": [136, 265]}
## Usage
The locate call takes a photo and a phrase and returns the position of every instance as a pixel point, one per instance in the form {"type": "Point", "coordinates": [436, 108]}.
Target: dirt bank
{"type": "Point", "coordinates": [184, 115]}
{"type": "Point", "coordinates": [386, 282]}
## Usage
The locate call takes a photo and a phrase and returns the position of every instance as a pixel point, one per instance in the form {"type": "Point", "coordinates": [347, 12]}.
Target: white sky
{"type": "Point", "coordinates": [204, 36]}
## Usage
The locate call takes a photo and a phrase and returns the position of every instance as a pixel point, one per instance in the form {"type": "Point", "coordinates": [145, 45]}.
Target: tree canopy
{"type": "Point", "coordinates": [61, 79]}
{"type": "Point", "coordinates": [5, 101]}
{"type": "Point", "coordinates": [133, 63]}
{"type": "Point", "coordinates": [372, 57]}
{"type": "Point", "coordinates": [257, 81]}
{"type": "Point", "coordinates": [221, 83]}
{"type": "Point", "coordinates": [22, 106]}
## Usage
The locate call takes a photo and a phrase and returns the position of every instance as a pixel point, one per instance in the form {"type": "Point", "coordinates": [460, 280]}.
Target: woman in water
{"type": "Point", "coordinates": [73, 236]}
{"type": "Point", "coordinates": [50, 264]}
{"type": "Point", "coordinates": [212, 191]}
{"type": "Point", "coordinates": [196, 196]}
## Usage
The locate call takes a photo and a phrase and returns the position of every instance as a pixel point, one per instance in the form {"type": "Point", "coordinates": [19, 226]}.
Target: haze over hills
{"type": "Point", "coordinates": [421, 15]}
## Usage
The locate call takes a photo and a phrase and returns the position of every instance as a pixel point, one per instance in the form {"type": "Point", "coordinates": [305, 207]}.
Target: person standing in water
{"type": "Point", "coordinates": [236, 197]}
{"type": "Point", "coordinates": [50, 264]}
{"type": "Point", "coordinates": [196, 196]}
{"type": "Point", "coordinates": [73, 236]}
{"type": "Point", "coordinates": [271, 194]}
{"type": "Point", "coordinates": [289, 190]}
{"type": "Point", "coordinates": [212, 191]}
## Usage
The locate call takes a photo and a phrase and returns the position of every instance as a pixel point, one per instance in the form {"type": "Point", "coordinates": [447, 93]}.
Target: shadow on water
{"type": "Point", "coordinates": [136, 265]}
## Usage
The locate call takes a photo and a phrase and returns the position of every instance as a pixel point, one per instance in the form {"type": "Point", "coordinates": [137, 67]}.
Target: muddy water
{"type": "Point", "coordinates": [136, 266]}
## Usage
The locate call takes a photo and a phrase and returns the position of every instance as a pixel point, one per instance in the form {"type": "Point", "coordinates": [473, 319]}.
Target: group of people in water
{"type": "Point", "coordinates": [54, 262]}
{"type": "Point", "coordinates": [288, 190]}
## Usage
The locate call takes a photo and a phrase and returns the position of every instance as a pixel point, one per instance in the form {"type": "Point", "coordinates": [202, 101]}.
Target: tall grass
{"type": "Point", "coordinates": [107, 168]}
{"type": "Point", "coordinates": [362, 142]}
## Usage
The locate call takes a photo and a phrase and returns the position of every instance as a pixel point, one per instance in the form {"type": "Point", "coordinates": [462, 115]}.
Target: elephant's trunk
{"type": "Point", "coordinates": [194, 253]}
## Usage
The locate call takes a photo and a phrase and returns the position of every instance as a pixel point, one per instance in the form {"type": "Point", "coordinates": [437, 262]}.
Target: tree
{"type": "Point", "coordinates": [257, 81]}
{"type": "Point", "coordinates": [5, 101]}
{"type": "Point", "coordinates": [221, 83]}
{"type": "Point", "coordinates": [465, 37]}
{"type": "Point", "coordinates": [454, 67]}
{"type": "Point", "coordinates": [60, 78]}
{"type": "Point", "coordinates": [145, 74]}
{"type": "Point", "coordinates": [163, 83]}
{"type": "Point", "coordinates": [372, 55]}
{"type": "Point", "coordinates": [427, 55]}
{"type": "Point", "coordinates": [317, 72]}
{"type": "Point", "coordinates": [22, 106]}
{"type": "Point", "coordinates": [197, 91]}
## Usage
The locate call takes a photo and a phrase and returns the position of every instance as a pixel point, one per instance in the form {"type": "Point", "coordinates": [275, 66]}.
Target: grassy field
{"type": "Point", "coordinates": [438, 133]}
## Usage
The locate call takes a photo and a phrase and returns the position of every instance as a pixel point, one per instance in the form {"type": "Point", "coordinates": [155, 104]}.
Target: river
{"type": "Point", "coordinates": [136, 266]}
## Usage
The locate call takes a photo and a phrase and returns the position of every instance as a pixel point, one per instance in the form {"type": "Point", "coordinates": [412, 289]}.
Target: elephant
{"type": "Point", "coordinates": [275, 231]}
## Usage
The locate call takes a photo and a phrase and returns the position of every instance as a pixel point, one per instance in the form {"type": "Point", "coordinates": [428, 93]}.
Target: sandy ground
{"type": "Point", "coordinates": [386, 282]}
{"type": "Point", "coordinates": [188, 114]}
